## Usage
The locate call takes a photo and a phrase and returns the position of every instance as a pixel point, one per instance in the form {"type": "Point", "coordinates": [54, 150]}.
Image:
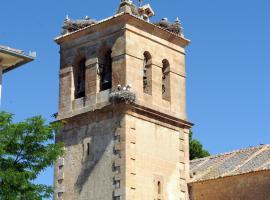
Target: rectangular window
{"type": "Point", "coordinates": [88, 148]}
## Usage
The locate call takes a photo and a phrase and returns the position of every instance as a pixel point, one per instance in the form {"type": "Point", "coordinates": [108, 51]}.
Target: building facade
{"type": "Point", "coordinates": [123, 104]}
{"type": "Point", "coordinates": [237, 175]}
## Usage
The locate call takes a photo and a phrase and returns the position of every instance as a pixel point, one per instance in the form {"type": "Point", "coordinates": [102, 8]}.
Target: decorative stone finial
{"type": "Point", "coordinates": [179, 26]}
{"type": "Point", "coordinates": [127, 6]}
{"type": "Point", "coordinates": [177, 20]}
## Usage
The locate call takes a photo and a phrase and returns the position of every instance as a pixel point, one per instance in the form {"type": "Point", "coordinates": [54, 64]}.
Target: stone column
{"type": "Point", "coordinates": [91, 80]}
{"type": "Point", "coordinates": [66, 95]}
{"type": "Point", "coordinates": [118, 71]}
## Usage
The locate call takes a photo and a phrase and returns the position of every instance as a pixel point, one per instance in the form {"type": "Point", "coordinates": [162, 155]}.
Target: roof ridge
{"type": "Point", "coordinates": [232, 152]}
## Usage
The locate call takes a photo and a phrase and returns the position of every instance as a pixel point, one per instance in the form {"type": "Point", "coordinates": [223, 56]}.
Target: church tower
{"type": "Point", "coordinates": [122, 101]}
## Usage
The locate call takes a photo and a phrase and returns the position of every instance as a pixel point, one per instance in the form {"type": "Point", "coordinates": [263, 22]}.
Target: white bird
{"type": "Point", "coordinates": [119, 87]}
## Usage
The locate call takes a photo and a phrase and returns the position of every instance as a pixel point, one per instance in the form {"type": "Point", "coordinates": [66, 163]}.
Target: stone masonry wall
{"type": "Point", "coordinates": [159, 50]}
{"type": "Point", "coordinates": [253, 186]}
{"type": "Point", "coordinates": [133, 156]}
{"type": "Point", "coordinates": [90, 48]}
{"type": "Point", "coordinates": [128, 45]}
{"type": "Point", "coordinates": [87, 170]}
{"type": "Point", "coordinates": [155, 157]}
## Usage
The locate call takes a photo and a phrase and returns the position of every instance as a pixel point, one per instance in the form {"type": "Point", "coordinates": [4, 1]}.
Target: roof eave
{"type": "Point", "coordinates": [193, 182]}
{"type": "Point", "coordinates": [25, 58]}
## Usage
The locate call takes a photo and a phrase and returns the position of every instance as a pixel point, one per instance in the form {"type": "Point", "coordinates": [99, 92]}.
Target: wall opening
{"type": "Point", "coordinates": [166, 80]}
{"type": "Point", "coordinates": [79, 78]}
{"type": "Point", "coordinates": [60, 194]}
{"type": "Point", "coordinates": [88, 148]}
{"type": "Point", "coordinates": [147, 73]}
{"type": "Point", "coordinates": [158, 187]}
{"type": "Point", "coordinates": [105, 70]}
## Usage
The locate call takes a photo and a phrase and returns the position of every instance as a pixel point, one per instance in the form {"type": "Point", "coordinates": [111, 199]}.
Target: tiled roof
{"type": "Point", "coordinates": [11, 49]}
{"type": "Point", "coordinates": [231, 164]}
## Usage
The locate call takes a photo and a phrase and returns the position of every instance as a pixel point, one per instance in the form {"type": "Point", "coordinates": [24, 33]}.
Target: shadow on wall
{"type": "Point", "coordinates": [94, 140]}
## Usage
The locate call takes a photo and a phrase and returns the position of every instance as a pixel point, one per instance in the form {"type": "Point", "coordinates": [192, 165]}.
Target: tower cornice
{"type": "Point", "coordinates": [128, 19]}
{"type": "Point", "coordinates": [136, 110]}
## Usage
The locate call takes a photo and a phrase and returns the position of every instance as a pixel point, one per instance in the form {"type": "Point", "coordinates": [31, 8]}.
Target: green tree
{"type": "Point", "coordinates": [196, 149]}
{"type": "Point", "coordinates": [26, 149]}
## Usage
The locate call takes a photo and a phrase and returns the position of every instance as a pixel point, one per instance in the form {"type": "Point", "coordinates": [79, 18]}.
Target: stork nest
{"type": "Point", "coordinates": [125, 96]}
{"type": "Point", "coordinates": [171, 27]}
{"type": "Point", "coordinates": [74, 25]}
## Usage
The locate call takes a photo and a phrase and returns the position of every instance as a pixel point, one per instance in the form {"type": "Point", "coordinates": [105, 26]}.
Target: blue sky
{"type": "Point", "coordinates": [228, 63]}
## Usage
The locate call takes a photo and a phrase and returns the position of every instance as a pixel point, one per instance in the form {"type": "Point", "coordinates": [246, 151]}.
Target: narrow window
{"type": "Point", "coordinates": [158, 187]}
{"type": "Point", "coordinates": [117, 183]}
{"type": "Point", "coordinates": [88, 148]}
{"type": "Point", "coordinates": [105, 66]}
{"type": "Point", "coordinates": [79, 79]}
{"type": "Point", "coordinates": [166, 80]}
{"type": "Point", "coordinates": [83, 150]}
{"type": "Point", "coordinates": [147, 73]}
{"type": "Point", "coordinates": [60, 168]}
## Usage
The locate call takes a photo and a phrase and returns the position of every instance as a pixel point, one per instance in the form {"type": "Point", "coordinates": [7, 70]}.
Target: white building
{"type": "Point", "coordinates": [12, 58]}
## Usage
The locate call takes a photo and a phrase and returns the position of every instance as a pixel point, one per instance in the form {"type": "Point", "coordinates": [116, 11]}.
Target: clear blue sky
{"type": "Point", "coordinates": [228, 63]}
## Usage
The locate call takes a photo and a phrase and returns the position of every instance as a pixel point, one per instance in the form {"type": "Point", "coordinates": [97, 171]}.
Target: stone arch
{"type": "Point", "coordinates": [79, 76]}
{"type": "Point", "coordinates": [105, 68]}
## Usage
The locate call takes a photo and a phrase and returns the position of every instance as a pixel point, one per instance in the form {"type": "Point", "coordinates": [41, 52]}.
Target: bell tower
{"type": "Point", "coordinates": [122, 101]}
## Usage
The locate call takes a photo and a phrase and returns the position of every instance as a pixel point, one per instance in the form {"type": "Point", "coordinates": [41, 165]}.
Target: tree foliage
{"type": "Point", "coordinates": [196, 149]}
{"type": "Point", "coordinates": [26, 149]}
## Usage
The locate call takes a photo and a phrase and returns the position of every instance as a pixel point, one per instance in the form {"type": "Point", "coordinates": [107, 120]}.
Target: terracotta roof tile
{"type": "Point", "coordinates": [231, 164]}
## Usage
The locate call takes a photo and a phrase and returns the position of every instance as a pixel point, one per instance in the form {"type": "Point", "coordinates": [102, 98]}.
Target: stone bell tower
{"type": "Point", "coordinates": [122, 101]}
